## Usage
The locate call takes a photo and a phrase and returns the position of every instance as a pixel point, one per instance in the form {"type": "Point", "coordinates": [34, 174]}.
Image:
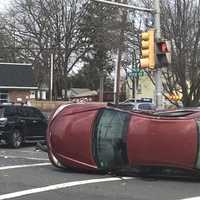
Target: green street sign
{"type": "Point", "coordinates": [136, 72]}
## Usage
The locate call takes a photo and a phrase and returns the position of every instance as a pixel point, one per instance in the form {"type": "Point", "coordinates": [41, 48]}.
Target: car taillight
{"type": "Point", "coordinates": [3, 120]}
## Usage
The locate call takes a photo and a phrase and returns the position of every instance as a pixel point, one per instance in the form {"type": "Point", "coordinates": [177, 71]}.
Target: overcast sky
{"type": "Point", "coordinates": [4, 4]}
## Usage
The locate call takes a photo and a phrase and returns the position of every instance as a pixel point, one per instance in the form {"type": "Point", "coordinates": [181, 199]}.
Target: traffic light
{"type": "Point", "coordinates": [148, 49]}
{"type": "Point", "coordinates": [163, 53]}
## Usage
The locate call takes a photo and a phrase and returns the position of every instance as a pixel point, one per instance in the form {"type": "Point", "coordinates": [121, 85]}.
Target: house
{"type": "Point", "coordinates": [16, 82]}
{"type": "Point", "coordinates": [145, 88]}
{"type": "Point", "coordinates": [78, 94]}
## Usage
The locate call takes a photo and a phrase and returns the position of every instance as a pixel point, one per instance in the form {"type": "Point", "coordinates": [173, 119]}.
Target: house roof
{"type": "Point", "coordinates": [87, 94]}
{"type": "Point", "coordinates": [16, 75]}
{"type": "Point", "coordinates": [77, 91]}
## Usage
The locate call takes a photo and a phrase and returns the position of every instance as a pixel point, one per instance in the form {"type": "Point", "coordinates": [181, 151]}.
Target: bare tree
{"type": "Point", "coordinates": [7, 42]}
{"type": "Point", "coordinates": [43, 27]}
{"type": "Point", "coordinates": [180, 23]}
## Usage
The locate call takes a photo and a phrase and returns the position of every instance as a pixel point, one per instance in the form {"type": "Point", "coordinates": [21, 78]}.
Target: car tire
{"type": "Point", "coordinates": [15, 139]}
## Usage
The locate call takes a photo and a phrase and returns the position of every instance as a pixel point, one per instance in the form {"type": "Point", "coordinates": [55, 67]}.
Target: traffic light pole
{"type": "Point", "coordinates": [51, 78]}
{"type": "Point", "coordinates": [117, 77]}
{"type": "Point", "coordinates": [156, 11]}
{"type": "Point", "coordinates": [158, 70]}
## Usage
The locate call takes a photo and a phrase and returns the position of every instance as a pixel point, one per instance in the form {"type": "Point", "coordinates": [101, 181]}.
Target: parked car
{"type": "Point", "coordinates": [99, 137]}
{"type": "Point", "coordinates": [140, 104]}
{"type": "Point", "coordinates": [19, 124]}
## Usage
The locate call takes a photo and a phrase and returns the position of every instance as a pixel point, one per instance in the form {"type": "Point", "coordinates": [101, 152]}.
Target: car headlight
{"type": "Point", "coordinates": [3, 120]}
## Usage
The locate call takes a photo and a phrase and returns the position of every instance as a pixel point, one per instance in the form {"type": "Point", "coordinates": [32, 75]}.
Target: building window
{"type": "Point", "coordinates": [3, 96]}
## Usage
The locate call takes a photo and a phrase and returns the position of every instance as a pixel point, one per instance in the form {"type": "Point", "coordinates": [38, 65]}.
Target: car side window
{"type": "Point", "coordinates": [36, 113]}
{"type": "Point", "coordinates": [23, 112]}
{"type": "Point", "coordinates": [10, 111]}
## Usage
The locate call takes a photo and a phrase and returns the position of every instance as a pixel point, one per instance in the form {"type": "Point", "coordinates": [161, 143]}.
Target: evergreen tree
{"type": "Point", "coordinates": [100, 26]}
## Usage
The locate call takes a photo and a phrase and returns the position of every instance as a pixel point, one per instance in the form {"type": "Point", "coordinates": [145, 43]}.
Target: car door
{"type": "Point", "coordinates": [38, 122]}
{"type": "Point", "coordinates": [25, 121]}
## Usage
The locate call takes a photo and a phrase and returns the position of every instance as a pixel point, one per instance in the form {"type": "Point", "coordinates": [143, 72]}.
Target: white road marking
{"type": "Point", "coordinates": [192, 198]}
{"type": "Point", "coordinates": [24, 157]}
{"type": "Point", "coordinates": [23, 166]}
{"type": "Point", "coordinates": [59, 186]}
{"type": "Point", "coordinates": [31, 151]}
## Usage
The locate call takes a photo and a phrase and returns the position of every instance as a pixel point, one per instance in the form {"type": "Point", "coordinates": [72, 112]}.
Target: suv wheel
{"type": "Point", "coordinates": [15, 139]}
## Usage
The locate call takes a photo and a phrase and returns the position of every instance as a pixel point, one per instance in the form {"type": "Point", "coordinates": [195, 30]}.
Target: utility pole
{"type": "Point", "coordinates": [158, 70]}
{"type": "Point", "coordinates": [117, 77]}
{"type": "Point", "coordinates": [101, 88]}
{"type": "Point", "coordinates": [156, 12]}
{"type": "Point", "coordinates": [123, 18]}
{"type": "Point", "coordinates": [51, 78]}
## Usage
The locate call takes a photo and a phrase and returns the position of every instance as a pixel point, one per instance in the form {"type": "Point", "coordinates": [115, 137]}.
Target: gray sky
{"type": "Point", "coordinates": [4, 4]}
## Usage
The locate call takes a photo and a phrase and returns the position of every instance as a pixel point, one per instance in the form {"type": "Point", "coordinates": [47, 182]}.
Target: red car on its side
{"type": "Point", "coordinates": [101, 137]}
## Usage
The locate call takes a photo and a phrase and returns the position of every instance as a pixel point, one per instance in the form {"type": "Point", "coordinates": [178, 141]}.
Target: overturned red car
{"type": "Point", "coordinates": [102, 137]}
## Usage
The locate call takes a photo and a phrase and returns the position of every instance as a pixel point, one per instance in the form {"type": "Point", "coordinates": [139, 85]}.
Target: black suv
{"type": "Point", "coordinates": [20, 124]}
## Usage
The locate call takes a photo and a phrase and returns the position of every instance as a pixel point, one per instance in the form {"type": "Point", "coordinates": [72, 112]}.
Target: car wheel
{"type": "Point", "coordinates": [15, 139]}
{"type": "Point", "coordinates": [54, 160]}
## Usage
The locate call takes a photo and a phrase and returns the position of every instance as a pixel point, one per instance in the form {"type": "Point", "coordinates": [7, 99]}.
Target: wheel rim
{"type": "Point", "coordinates": [55, 160]}
{"type": "Point", "coordinates": [17, 139]}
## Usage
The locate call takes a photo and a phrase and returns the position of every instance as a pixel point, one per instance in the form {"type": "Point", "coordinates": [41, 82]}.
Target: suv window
{"type": "Point", "coordinates": [10, 111]}
{"type": "Point", "coordinates": [21, 111]}
{"type": "Point", "coordinates": [35, 113]}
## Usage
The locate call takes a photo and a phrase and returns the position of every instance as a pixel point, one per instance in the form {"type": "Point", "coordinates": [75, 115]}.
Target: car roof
{"type": "Point", "coordinates": [15, 106]}
{"type": "Point", "coordinates": [180, 112]}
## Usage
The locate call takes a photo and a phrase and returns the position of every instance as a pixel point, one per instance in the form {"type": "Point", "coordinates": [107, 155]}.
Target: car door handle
{"type": "Point", "coordinates": [34, 121]}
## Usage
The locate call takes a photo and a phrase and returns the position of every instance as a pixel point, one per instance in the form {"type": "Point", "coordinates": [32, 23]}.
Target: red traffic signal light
{"type": "Point", "coordinates": [163, 52]}
{"type": "Point", "coordinates": [163, 48]}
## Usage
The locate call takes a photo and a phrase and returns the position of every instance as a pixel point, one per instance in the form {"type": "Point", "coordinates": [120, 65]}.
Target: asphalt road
{"type": "Point", "coordinates": [27, 174]}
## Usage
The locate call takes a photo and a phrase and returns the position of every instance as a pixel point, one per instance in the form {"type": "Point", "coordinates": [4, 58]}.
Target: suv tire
{"type": "Point", "coordinates": [15, 139]}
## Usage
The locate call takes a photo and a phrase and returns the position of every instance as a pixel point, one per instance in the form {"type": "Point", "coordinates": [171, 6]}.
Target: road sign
{"type": "Point", "coordinates": [136, 72]}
